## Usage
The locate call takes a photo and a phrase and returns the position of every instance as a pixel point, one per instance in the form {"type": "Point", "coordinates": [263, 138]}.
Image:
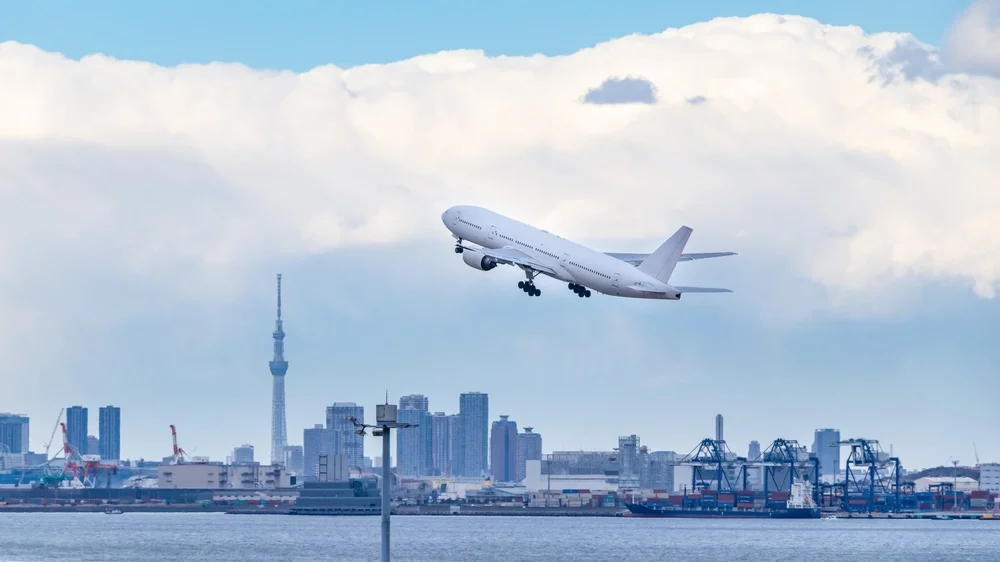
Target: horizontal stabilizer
{"type": "Point", "coordinates": [701, 290]}
{"type": "Point", "coordinates": [636, 259]}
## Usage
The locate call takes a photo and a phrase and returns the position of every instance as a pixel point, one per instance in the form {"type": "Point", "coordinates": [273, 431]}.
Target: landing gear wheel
{"type": "Point", "coordinates": [520, 285]}
{"type": "Point", "coordinates": [458, 249]}
{"type": "Point", "coordinates": [586, 293]}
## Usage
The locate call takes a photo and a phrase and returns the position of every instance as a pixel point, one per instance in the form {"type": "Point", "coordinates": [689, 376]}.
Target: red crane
{"type": "Point", "coordinates": [179, 453]}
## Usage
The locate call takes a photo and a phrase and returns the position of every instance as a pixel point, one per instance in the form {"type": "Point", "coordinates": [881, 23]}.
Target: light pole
{"type": "Point", "coordinates": [385, 419]}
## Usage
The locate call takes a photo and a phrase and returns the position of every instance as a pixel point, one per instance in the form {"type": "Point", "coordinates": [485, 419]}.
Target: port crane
{"type": "Point", "coordinates": [84, 468]}
{"type": "Point", "coordinates": [180, 455]}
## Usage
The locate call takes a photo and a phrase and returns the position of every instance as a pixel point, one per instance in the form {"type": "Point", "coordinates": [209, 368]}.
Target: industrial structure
{"type": "Point", "coordinates": [278, 365]}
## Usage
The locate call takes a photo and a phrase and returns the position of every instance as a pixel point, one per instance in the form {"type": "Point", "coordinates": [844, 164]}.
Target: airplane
{"type": "Point", "coordinates": [500, 240]}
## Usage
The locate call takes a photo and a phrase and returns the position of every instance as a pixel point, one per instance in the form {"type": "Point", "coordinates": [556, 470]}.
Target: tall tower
{"type": "Point", "coordinates": [279, 437]}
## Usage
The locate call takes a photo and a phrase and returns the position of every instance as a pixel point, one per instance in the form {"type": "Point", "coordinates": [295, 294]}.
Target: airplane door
{"type": "Point", "coordinates": [614, 281]}
{"type": "Point", "coordinates": [493, 233]}
{"type": "Point", "coordinates": [564, 261]}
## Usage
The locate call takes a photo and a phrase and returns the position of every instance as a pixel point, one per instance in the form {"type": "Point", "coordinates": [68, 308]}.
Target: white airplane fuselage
{"type": "Point", "coordinates": [568, 261]}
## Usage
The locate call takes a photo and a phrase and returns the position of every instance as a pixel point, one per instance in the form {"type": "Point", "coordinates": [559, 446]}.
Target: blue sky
{"type": "Point", "coordinates": [298, 35]}
{"type": "Point", "coordinates": [913, 365]}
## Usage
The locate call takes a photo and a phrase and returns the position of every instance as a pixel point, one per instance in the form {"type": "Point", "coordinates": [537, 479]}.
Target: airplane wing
{"type": "Point", "coordinates": [636, 259]}
{"type": "Point", "coordinates": [512, 256]}
{"type": "Point", "coordinates": [701, 290]}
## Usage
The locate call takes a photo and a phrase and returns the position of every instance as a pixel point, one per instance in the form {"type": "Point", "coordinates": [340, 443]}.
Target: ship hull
{"type": "Point", "coordinates": [639, 510]}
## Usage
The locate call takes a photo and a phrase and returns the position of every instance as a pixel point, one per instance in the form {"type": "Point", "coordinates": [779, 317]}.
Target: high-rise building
{"type": "Point", "coordinates": [827, 449]}
{"type": "Point", "coordinates": [278, 366]}
{"type": "Point", "coordinates": [109, 427]}
{"type": "Point", "coordinates": [754, 451]}
{"type": "Point", "coordinates": [454, 444]}
{"type": "Point", "coordinates": [415, 401]}
{"type": "Point", "coordinates": [473, 428]}
{"type": "Point", "coordinates": [529, 448]}
{"type": "Point", "coordinates": [76, 428]}
{"type": "Point", "coordinates": [316, 441]}
{"type": "Point", "coordinates": [93, 446]}
{"type": "Point", "coordinates": [718, 428]}
{"type": "Point", "coordinates": [414, 446]}
{"type": "Point", "coordinates": [294, 461]}
{"type": "Point", "coordinates": [14, 433]}
{"type": "Point", "coordinates": [440, 444]}
{"type": "Point", "coordinates": [242, 455]}
{"type": "Point", "coordinates": [345, 441]}
{"type": "Point", "coordinates": [503, 450]}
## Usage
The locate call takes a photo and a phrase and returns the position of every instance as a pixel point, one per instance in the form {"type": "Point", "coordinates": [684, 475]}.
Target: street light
{"type": "Point", "coordinates": [385, 419]}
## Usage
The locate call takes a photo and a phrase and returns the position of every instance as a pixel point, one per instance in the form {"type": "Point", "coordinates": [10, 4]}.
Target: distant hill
{"type": "Point", "coordinates": [944, 472]}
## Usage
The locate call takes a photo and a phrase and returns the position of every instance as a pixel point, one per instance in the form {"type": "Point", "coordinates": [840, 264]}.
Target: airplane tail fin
{"type": "Point", "coordinates": [661, 263]}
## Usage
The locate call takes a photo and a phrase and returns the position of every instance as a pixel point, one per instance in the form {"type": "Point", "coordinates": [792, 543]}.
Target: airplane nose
{"type": "Point", "coordinates": [445, 216]}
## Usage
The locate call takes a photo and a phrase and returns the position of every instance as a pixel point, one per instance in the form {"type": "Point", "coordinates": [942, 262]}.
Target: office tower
{"type": "Point", "coordinates": [718, 428]}
{"type": "Point", "coordinates": [454, 444]}
{"type": "Point", "coordinates": [440, 444]}
{"type": "Point", "coordinates": [414, 446]}
{"type": "Point", "coordinates": [242, 455]}
{"type": "Point", "coordinates": [827, 449]}
{"type": "Point", "coordinates": [316, 441]}
{"type": "Point", "coordinates": [14, 433]}
{"type": "Point", "coordinates": [473, 428]}
{"type": "Point", "coordinates": [278, 365]}
{"type": "Point", "coordinates": [415, 401]}
{"type": "Point", "coordinates": [503, 450]}
{"type": "Point", "coordinates": [754, 451]}
{"type": "Point", "coordinates": [109, 427]}
{"type": "Point", "coordinates": [93, 445]}
{"type": "Point", "coordinates": [294, 461]}
{"type": "Point", "coordinates": [529, 448]}
{"type": "Point", "coordinates": [76, 428]}
{"type": "Point", "coordinates": [345, 439]}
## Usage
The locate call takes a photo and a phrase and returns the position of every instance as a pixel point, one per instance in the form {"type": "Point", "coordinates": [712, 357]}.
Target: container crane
{"type": "Point", "coordinates": [180, 455]}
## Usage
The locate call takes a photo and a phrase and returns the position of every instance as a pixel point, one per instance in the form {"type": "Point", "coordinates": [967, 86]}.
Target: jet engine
{"type": "Point", "coordinates": [477, 260]}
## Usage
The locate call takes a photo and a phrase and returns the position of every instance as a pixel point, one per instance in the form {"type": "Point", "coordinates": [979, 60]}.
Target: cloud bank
{"type": "Point", "coordinates": [973, 42]}
{"type": "Point", "coordinates": [818, 153]}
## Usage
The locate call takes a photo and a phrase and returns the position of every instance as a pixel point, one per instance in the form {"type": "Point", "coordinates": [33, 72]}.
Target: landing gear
{"type": "Point", "coordinates": [580, 290]}
{"type": "Point", "coordinates": [458, 246]}
{"type": "Point", "coordinates": [529, 288]}
{"type": "Point", "coordinates": [529, 285]}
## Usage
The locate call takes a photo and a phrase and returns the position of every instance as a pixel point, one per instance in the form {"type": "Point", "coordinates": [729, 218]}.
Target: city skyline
{"type": "Point", "coordinates": [333, 438]}
{"type": "Point", "coordinates": [869, 250]}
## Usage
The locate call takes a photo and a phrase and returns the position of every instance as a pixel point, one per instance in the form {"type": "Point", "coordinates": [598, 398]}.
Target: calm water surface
{"type": "Point", "coordinates": [220, 537]}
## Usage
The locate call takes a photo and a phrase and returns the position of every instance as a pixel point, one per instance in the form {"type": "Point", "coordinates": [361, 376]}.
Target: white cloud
{"type": "Point", "coordinates": [973, 42]}
{"type": "Point", "coordinates": [809, 155]}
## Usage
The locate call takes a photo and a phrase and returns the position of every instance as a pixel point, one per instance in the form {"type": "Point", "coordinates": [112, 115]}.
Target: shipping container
{"type": "Point", "coordinates": [744, 505]}
{"type": "Point", "coordinates": [726, 498]}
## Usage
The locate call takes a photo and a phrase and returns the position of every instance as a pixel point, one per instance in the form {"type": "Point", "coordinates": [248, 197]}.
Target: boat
{"type": "Point", "coordinates": [115, 511]}
{"type": "Point", "coordinates": [800, 505]}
